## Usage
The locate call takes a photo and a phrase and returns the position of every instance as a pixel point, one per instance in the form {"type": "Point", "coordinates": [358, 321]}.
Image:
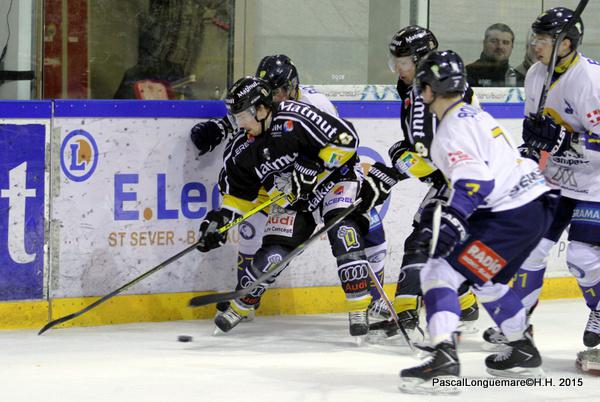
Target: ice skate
{"type": "Point", "coordinates": [442, 363]}
{"type": "Point", "coordinates": [388, 332]}
{"type": "Point", "coordinates": [520, 359]}
{"type": "Point", "coordinates": [495, 341]}
{"type": "Point", "coordinates": [468, 320]}
{"type": "Point", "coordinates": [378, 309]}
{"type": "Point", "coordinates": [223, 306]}
{"type": "Point", "coordinates": [591, 335]}
{"type": "Point", "coordinates": [227, 320]}
{"type": "Point", "coordinates": [359, 325]}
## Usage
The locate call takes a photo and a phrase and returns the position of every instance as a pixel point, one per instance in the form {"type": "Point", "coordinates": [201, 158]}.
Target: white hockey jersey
{"type": "Point", "coordinates": [573, 102]}
{"type": "Point", "coordinates": [313, 97]}
{"type": "Point", "coordinates": [469, 145]}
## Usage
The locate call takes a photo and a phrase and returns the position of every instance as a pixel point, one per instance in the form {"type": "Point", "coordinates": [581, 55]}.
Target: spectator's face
{"type": "Point", "coordinates": [404, 67]}
{"type": "Point", "coordinates": [543, 44]}
{"type": "Point", "coordinates": [498, 45]}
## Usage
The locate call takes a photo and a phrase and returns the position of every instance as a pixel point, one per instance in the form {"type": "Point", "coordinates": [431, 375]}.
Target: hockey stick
{"type": "Point", "coordinates": [552, 64]}
{"type": "Point", "coordinates": [273, 269]}
{"type": "Point", "coordinates": [160, 266]}
{"type": "Point", "coordinates": [435, 228]}
{"type": "Point", "coordinates": [390, 306]}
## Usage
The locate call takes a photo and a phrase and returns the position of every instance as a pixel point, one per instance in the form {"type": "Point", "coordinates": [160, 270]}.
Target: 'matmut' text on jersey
{"type": "Point", "coordinates": [297, 129]}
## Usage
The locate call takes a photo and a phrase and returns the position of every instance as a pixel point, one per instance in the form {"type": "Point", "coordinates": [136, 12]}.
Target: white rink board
{"type": "Point", "coordinates": [97, 252]}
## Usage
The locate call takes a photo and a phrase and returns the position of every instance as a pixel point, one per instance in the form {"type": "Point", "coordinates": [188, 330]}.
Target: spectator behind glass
{"type": "Point", "coordinates": [492, 68]}
{"type": "Point", "coordinates": [528, 60]}
{"type": "Point", "coordinates": [153, 70]}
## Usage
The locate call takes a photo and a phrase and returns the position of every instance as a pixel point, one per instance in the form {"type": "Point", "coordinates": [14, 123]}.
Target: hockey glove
{"type": "Point", "coordinates": [377, 185]}
{"type": "Point", "coordinates": [530, 153]}
{"type": "Point", "coordinates": [304, 178]}
{"type": "Point", "coordinates": [210, 238]}
{"type": "Point", "coordinates": [453, 230]}
{"type": "Point", "coordinates": [209, 134]}
{"type": "Point", "coordinates": [396, 151]}
{"type": "Point", "coordinates": [545, 135]}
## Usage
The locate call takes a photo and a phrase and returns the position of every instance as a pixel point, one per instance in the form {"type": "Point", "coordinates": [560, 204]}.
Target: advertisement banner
{"type": "Point", "coordinates": [133, 191]}
{"type": "Point", "coordinates": [22, 194]}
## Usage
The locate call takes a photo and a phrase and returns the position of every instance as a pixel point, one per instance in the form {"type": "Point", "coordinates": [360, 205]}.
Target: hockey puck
{"type": "Point", "coordinates": [184, 338]}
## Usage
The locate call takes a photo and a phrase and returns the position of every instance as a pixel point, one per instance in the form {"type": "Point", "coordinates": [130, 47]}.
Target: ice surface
{"type": "Point", "coordinates": [290, 358]}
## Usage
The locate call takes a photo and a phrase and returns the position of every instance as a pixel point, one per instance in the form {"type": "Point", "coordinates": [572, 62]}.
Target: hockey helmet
{"type": "Point", "coordinates": [551, 22]}
{"type": "Point", "coordinates": [413, 41]}
{"type": "Point", "coordinates": [279, 71]}
{"type": "Point", "coordinates": [245, 95]}
{"type": "Point", "coordinates": [444, 71]}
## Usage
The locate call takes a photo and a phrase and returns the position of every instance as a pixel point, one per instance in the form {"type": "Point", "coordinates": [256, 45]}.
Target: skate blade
{"type": "Point", "coordinates": [384, 338]}
{"type": "Point", "coordinates": [360, 340]}
{"type": "Point", "coordinates": [493, 347]}
{"type": "Point", "coordinates": [519, 372]}
{"type": "Point", "coordinates": [217, 332]}
{"type": "Point", "coordinates": [468, 327]}
{"type": "Point", "coordinates": [409, 385]}
{"type": "Point", "coordinates": [395, 337]}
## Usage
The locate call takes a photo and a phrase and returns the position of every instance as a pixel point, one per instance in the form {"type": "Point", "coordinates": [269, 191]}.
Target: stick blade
{"type": "Point", "coordinates": [205, 300]}
{"type": "Point", "coordinates": [54, 323]}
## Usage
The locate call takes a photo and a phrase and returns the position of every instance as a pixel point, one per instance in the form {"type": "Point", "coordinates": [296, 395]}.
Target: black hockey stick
{"type": "Point", "coordinates": [562, 34]}
{"type": "Point", "coordinates": [273, 269]}
{"type": "Point", "coordinates": [158, 267]}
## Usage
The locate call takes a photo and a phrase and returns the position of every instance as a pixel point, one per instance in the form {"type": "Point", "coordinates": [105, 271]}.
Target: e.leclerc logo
{"type": "Point", "coordinates": [78, 155]}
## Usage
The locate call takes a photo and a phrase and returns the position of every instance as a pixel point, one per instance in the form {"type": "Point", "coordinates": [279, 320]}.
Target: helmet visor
{"type": "Point", "coordinates": [244, 117]}
{"type": "Point", "coordinates": [541, 40]}
{"type": "Point", "coordinates": [401, 63]}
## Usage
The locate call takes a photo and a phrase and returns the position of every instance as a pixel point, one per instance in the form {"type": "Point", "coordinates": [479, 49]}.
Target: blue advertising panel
{"type": "Point", "coordinates": [22, 159]}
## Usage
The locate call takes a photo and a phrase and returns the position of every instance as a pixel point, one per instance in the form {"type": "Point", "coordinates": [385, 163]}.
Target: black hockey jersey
{"type": "Point", "coordinates": [253, 164]}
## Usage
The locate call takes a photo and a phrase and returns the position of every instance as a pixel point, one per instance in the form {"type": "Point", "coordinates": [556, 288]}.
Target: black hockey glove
{"type": "Point", "coordinates": [210, 238]}
{"type": "Point", "coordinates": [377, 185]}
{"type": "Point", "coordinates": [545, 135]}
{"type": "Point", "coordinates": [304, 178]}
{"type": "Point", "coordinates": [397, 150]}
{"type": "Point", "coordinates": [529, 152]}
{"type": "Point", "coordinates": [453, 230]}
{"type": "Point", "coordinates": [209, 134]}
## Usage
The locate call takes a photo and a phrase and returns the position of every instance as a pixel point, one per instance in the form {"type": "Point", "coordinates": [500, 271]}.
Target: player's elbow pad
{"type": "Point", "coordinates": [468, 195]}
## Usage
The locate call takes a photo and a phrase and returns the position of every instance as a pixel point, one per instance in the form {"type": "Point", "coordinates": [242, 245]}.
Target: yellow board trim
{"type": "Point", "coordinates": [173, 306]}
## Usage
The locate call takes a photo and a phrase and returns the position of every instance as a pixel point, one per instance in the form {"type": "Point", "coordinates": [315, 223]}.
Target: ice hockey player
{"type": "Point", "coordinates": [498, 209]}
{"type": "Point", "coordinates": [411, 156]}
{"type": "Point", "coordinates": [282, 76]}
{"type": "Point", "coordinates": [570, 132]}
{"type": "Point", "coordinates": [311, 154]}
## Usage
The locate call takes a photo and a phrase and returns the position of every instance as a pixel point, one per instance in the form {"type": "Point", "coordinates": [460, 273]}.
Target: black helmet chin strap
{"type": "Point", "coordinates": [263, 122]}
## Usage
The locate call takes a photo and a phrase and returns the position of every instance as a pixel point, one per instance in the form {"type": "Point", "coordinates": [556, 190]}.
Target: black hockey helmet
{"type": "Point", "coordinates": [414, 41]}
{"type": "Point", "coordinates": [444, 71]}
{"type": "Point", "coordinates": [248, 92]}
{"type": "Point", "coordinates": [551, 22]}
{"type": "Point", "coordinates": [279, 71]}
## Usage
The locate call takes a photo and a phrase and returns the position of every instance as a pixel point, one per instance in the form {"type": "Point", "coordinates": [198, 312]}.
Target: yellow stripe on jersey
{"type": "Point", "coordinates": [498, 132]}
{"type": "Point", "coordinates": [335, 157]}
{"type": "Point", "coordinates": [238, 205]}
{"type": "Point", "coordinates": [412, 164]}
{"type": "Point", "coordinates": [557, 118]}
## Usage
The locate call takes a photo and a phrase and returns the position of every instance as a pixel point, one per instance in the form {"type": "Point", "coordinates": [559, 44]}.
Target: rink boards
{"type": "Point", "coordinates": [95, 193]}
